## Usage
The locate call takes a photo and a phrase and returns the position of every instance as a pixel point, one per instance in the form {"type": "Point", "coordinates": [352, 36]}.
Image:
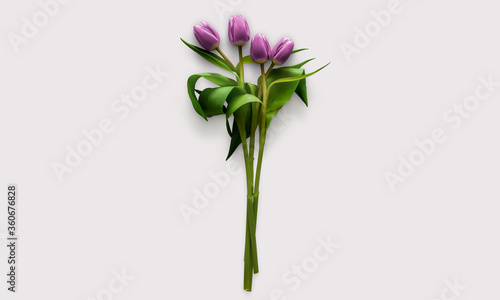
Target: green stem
{"type": "Point", "coordinates": [259, 95]}
{"type": "Point", "coordinates": [251, 261]}
{"type": "Point", "coordinates": [262, 141]}
{"type": "Point", "coordinates": [269, 70]}
{"type": "Point", "coordinates": [224, 56]}
{"type": "Point", "coordinates": [248, 269]}
{"type": "Point", "coordinates": [253, 129]}
{"type": "Point", "coordinates": [250, 211]}
{"type": "Point", "coordinates": [242, 73]}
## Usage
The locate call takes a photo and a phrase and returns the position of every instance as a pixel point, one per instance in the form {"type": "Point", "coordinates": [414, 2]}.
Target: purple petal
{"type": "Point", "coordinates": [206, 36]}
{"type": "Point", "coordinates": [260, 49]}
{"type": "Point", "coordinates": [239, 32]}
{"type": "Point", "coordinates": [282, 51]}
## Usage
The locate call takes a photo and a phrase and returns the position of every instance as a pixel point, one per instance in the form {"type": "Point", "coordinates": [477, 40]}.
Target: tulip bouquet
{"type": "Point", "coordinates": [252, 106]}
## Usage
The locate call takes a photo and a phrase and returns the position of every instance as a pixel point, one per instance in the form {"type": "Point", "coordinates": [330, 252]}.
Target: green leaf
{"type": "Point", "coordinates": [239, 101]}
{"type": "Point", "coordinates": [216, 78]}
{"type": "Point", "coordinates": [283, 92]}
{"type": "Point", "coordinates": [212, 100]}
{"type": "Point", "coordinates": [211, 57]}
{"type": "Point", "coordinates": [239, 105]}
{"type": "Point", "coordinates": [251, 88]}
{"type": "Point", "coordinates": [242, 119]}
{"type": "Point", "coordinates": [299, 50]}
{"type": "Point", "coordinates": [280, 91]}
{"type": "Point", "coordinates": [301, 91]}
{"type": "Point", "coordinates": [270, 116]}
{"type": "Point", "coordinates": [235, 139]}
{"type": "Point", "coordinates": [299, 65]}
{"type": "Point", "coordinates": [213, 77]}
{"type": "Point", "coordinates": [228, 128]}
{"type": "Point", "coordinates": [295, 78]}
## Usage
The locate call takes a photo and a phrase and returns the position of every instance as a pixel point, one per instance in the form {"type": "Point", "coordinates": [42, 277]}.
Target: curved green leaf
{"type": "Point", "coordinates": [299, 65]}
{"type": "Point", "coordinates": [235, 138]}
{"type": "Point", "coordinates": [212, 100]}
{"type": "Point", "coordinates": [299, 50]}
{"type": "Point", "coordinates": [239, 101]}
{"type": "Point", "coordinates": [301, 91]}
{"type": "Point", "coordinates": [211, 57]}
{"type": "Point", "coordinates": [280, 91]}
{"type": "Point", "coordinates": [251, 88]}
{"type": "Point", "coordinates": [283, 92]}
{"type": "Point", "coordinates": [213, 77]}
{"type": "Point", "coordinates": [239, 104]}
{"type": "Point", "coordinates": [295, 78]}
{"type": "Point", "coordinates": [228, 128]}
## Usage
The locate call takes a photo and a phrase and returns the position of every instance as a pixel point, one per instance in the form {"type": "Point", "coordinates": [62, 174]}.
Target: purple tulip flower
{"type": "Point", "coordinates": [281, 52]}
{"type": "Point", "coordinates": [239, 33]}
{"type": "Point", "coordinates": [207, 37]}
{"type": "Point", "coordinates": [260, 50]}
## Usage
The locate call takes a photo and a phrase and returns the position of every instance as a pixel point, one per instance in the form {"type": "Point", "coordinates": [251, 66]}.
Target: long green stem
{"type": "Point", "coordinates": [253, 129]}
{"type": "Point", "coordinates": [262, 141]}
{"type": "Point", "coordinates": [248, 269]}
{"type": "Point", "coordinates": [250, 210]}
{"type": "Point", "coordinates": [225, 57]}
{"type": "Point", "coordinates": [251, 260]}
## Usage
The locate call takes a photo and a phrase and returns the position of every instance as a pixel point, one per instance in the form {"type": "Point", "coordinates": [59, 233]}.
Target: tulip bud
{"type": "Point", "coordinates": [239, 33]}
{"type": "Point", "coordinates": [207, 37]}
{"type": "Point", "coordinates": [260, 50]}
{"type": "Point", "coordinates": [281, 52]}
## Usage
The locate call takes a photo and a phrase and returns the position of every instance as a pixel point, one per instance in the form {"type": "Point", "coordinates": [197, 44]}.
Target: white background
{"type": "Point", "coordinates": [323, 171]}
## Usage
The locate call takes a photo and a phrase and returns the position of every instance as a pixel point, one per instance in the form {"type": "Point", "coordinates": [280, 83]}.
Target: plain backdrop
{"type": "Point", "coordinates": [323, 173]}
